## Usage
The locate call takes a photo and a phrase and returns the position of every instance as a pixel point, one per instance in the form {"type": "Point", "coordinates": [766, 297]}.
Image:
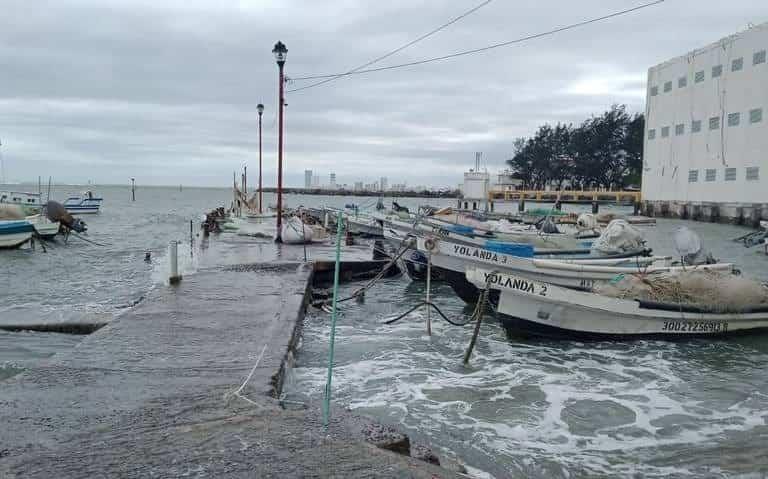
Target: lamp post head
{"type": "Point", "coordinates": [281, 53]}
{"type": "Point", "coordinates": [260, 108]}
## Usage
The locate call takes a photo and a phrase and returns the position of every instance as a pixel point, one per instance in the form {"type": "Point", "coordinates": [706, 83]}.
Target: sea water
{"type": "Point", "coordinates": [546, 408]}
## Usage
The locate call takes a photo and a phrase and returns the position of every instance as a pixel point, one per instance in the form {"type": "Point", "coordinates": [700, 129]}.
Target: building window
{"type": "Point", "coordinates": [679, 129]}
{"type": "Point", "coordinates": [717, 70]}
{"type": "Point", "coordinates": [682, 82]}
{"type": "Point", "coordinates": [654, 91]}
{"type": "Point", "coordinates": [695, 126]}
{"type": "Point", "coordinates": [664, 131]}
{"type": "Point", "coordinates": [737, 64]}
{"type": "Point", "coordinates": [651, 134]}
{"type": "Point", "coordinates": [668, 87]}
{"type": "Point", "coordinates": [734, 119]}
{"type": "Point", "coordinates": [693, 176]}
{"type": "Point", "coordinates": [758, 57]}
{"type": "Point", "coordinates": [730, 174]}
{"type": "Point", "coordinates": [711, 175]}
{"type": "Point", "coordinates": [714, 123]}
{"type": "Point", "coordinates": [753, 173]}
{"type": "Point", "coordinates": [756, 115]}
{"type": "Point", "coordinates": [699, 77]}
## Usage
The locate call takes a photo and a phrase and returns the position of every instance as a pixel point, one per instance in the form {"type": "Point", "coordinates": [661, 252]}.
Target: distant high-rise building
{"type": "Point", "coordinates": [383, 183]}
{"type": "Point", "coordinates": [333, 181]}
{"type": "Point", "coordinates": [358, 186]}
{"type": "Point", "coordinates": [307, 179]}
{"type": "Point", "coordinates": [316, 181]}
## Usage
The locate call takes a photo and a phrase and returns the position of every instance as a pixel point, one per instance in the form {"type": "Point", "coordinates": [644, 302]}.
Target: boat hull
{"type": "Point", "coordinates": [529, 307]}
{"type": "Point", "coordinates": [15, 233]}
{"type": "Point", "coordinates": [82, 210]}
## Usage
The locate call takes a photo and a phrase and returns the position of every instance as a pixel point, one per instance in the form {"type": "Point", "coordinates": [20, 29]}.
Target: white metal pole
{"type": "Point", "coordinates": [174, 254]}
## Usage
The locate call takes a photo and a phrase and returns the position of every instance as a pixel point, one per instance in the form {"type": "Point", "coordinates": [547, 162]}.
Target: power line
{"type": "Point", "coordinates": [486, 48]}
{"type": "Point", "coordinates": [397, 50]}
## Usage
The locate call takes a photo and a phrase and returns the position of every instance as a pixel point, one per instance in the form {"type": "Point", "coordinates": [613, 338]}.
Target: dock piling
{"type": "Point", "coordinates": [174, 258]}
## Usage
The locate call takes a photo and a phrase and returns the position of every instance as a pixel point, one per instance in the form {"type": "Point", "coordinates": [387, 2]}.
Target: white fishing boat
{"type": "Point", "coordinates": [580, 272]}
{"type": "Point", "coordinates": [527, 306]}
{"type": "Point", "coordinates": [85, 204]}
{"type": "Point", "coordinates": [295, 231]}
{"type": "Point", "coordinates": [15, 233]}
{"type": "Point", "coordinates": [44, 228]}
{"type": "Point", "coordinates": [30, 203]}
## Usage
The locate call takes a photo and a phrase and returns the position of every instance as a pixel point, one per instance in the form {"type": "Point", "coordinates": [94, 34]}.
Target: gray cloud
{"type": "Point", "coordinates": [166, 91]}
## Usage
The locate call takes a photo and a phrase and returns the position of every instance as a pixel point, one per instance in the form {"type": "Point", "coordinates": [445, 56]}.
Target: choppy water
{"type": "Point", "coordinates": [534, 408]}
{"type": "Point", "coordinates": [79, 281]}
{"type": "Point", "coordinates": [540, 408]}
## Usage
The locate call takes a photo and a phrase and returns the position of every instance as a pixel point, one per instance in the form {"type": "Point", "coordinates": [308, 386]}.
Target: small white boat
{"type": "Point", "coordinates": [295, 231]}
{"type": "Point", "coordinates": [44, 228]}
{"type": "Point", "coordinates": [30, 203]}
{"type": "Point", "coordinates": [86, 204]}
{"type": "Point", "coordinates": [15, 233]}
{"type": "Point", "coordinates": [528, 306]}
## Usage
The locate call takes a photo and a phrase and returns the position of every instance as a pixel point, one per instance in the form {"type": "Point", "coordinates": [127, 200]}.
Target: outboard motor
{"type": "Point", "coordinates": [548, 226]}
{"type": "Point", "coordinates": [619, 237]}
{"type": "Point", "coordinates": [689, 248]}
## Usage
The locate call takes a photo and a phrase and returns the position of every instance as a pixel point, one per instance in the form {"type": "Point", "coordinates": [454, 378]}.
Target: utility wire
{"type": "Point", "coordinates": [397, 50]}
{"type": "Point", "coordinates": [486, 48]}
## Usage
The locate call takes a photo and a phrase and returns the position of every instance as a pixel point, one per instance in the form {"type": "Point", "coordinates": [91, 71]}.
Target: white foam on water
{"type": "Point", "coordinates": [519, 404]}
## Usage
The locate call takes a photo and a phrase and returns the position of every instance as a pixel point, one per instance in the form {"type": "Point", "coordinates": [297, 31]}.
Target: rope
{"type": "Point", "coordinates": [406, 244]}
{"type": "Point", "coordinates": [240, 389]}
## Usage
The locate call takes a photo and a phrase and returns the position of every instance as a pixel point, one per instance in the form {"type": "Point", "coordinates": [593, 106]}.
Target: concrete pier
{"type": "Point", "coordinates": [154, 393]}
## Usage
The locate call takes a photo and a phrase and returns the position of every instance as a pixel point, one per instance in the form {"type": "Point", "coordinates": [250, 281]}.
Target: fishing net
{"type": "Point", "coordinates": [711, 290]}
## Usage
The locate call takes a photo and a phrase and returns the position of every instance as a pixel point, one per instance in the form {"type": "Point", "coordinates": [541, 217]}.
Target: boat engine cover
{"type": "Point", "coordinates": [619, 237]}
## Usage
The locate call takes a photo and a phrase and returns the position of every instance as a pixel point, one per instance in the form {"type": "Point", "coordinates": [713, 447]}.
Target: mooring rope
{"type": "Point", "coordinates": [242, 386]}
{"type": "Point", "coordinates": [406, 244]}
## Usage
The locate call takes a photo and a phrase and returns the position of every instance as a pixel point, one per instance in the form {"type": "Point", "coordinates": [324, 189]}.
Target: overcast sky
{"type": "Point", "coordinates": [166, 90]}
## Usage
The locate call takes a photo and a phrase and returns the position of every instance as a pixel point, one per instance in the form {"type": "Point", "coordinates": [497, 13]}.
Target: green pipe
{"type": "Point", "coordinates": [327, 402]}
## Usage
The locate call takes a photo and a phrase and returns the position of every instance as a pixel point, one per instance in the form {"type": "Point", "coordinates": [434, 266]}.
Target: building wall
{"type": "Point", "coordinates": [476, 185]}
{"type": "Point", "coordinates": [684, 165]}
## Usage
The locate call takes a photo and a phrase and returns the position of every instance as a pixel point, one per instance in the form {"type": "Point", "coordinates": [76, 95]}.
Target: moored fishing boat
{"type": "Point", "coordinates": [14, 233]}
{"type": "Point", "coordinates": [527, 306]}
{"type": "Point", "coordinates": [580, 272]}
{"type": "Point", "coordinates": [44, 228]}
{"type": "Point", "coordinates": [28, 203]}
{"type": "Point", "coordinates": [85, 204]}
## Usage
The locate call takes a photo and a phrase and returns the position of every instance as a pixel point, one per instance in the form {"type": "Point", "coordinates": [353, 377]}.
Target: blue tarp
{"type": "Point", "coordinates": [461, 229]}
{"type": "Point", "coordinates": [512, 249]}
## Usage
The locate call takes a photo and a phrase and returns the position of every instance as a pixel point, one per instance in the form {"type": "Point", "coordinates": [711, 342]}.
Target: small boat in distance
{"type": "Point", "coordinates": [87, 204]}
{"type": "Point", "coordinates": [15, 233]}
{"type": "Point", "coordinates": [29, 202]}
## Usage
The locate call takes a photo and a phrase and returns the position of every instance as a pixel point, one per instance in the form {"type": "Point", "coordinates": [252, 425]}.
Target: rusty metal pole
{"type": "Point", "coordinates": [280, 54]}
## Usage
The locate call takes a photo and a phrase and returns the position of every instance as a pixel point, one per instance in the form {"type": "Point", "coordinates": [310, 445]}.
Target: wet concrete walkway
{"type": "Point", "coordinates": [151, 393]}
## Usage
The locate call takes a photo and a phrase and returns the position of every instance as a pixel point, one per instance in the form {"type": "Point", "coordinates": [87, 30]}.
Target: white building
{"type": "Point", "coordinates": [307, 179]}
{"type": "Point", "coordinates": [383, 183]}
{"type": "Point", "coordinates": [316, 181]}
{"type": "Point", "coordinates": [475, 189]}
{"type": "Point", "coordinates": [706, 138]}
{"type": "Point", "coordinates": [332, 184]}
{"type": "Point", "coordinates": [505, 181]}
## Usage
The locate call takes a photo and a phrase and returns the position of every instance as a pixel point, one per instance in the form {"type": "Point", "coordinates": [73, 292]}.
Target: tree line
{"type": "Point", "coordinates": [605, 151]}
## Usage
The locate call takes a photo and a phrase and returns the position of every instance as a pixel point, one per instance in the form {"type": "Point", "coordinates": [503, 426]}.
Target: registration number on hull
{"type": "Point", "coordinates": [695, 326]}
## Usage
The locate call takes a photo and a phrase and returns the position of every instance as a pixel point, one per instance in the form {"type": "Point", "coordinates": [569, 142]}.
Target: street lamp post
{"type": "Point", "coordinates": [260, 108]}
{"type": "Point", "coordinates": [281, 53]}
